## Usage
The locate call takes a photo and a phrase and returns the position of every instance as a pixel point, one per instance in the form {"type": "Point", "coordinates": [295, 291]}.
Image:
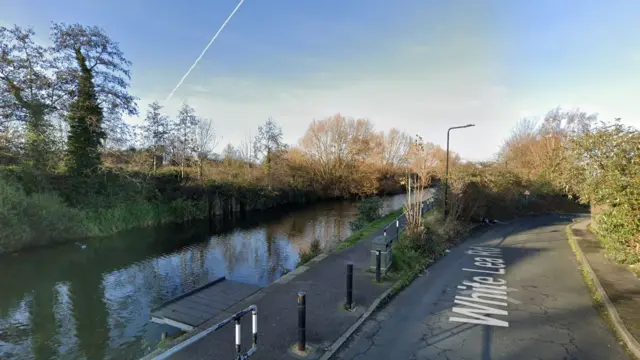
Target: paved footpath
{"type": "Point", "coordinates": [514, 292]}
{"type": "Point", "coordinates": [325, 284]}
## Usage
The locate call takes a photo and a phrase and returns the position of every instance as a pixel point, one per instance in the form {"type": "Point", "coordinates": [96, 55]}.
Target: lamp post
{"type": "Point", "coordinates": [446, 176]}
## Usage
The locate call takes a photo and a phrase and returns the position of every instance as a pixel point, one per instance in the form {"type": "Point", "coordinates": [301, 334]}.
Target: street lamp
{"type": "Point", "coordinates": [446, 176]}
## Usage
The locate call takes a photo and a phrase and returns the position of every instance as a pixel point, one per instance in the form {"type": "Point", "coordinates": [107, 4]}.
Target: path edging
{"type": "Point", "coordinates": [331, 350]}
{"type": "Point", "coordinates": [620, 328]}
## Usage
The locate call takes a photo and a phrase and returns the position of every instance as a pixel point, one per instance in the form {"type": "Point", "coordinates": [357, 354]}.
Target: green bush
{"type": "Point", "coordinates": [369, 210]}
{"type": "Point", "coordinates": [36, 219]}
{"type": "Point", "coordinates": [41, 218]}
{"type": "Point", "coordinates": [617, 228]}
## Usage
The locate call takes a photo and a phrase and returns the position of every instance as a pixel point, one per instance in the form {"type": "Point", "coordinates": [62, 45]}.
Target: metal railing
{"type": "Point", "coordinates": [427, 205]}
{"type": "Point", "coordinates": [253, 309]}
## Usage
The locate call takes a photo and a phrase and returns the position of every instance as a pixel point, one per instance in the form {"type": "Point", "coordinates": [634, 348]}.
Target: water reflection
{"type": "Point", "coordinates": [93, 302]}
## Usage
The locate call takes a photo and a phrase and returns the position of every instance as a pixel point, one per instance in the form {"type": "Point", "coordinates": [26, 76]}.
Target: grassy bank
{"type": "Point", "coordinates": [315, 247]}
{"type": "Point", "coordinates": [369, 229]}
{"type": "Point", "coordinates": [411, 257]}
{"type": "Point", "coordinates": [36, 219]}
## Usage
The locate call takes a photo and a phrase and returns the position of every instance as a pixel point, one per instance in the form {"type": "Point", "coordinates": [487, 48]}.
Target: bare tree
{"type": "Point", "coordinates": [155, 131]}
{"type": "Point", "coordinates": [395, 148]}
{"type": "Point", "coordinates": [246, 149]}
{"type": "Point", "coordinates": [340, 148]}
{"type": "Point", "coordinates": [428, 159]}
{"type": "Point", "coordinates": [206, 141]}
{"type": "Point", "coordinates": [267, 142]}
{"type": "Point", "coordinates": [229, 152]}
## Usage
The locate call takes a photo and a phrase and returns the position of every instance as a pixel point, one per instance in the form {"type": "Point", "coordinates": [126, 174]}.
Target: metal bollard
{"type": "Point", "coordinates": [378, 266]}
{"type": "Point", "coordinates": [302, 321]}
{"type": "Point", "coordinates": [254, 317]}
{"type": "Point", "coordinates": [349, 303]}
{"type": "Point", "coordinates": [397, 229]}
{"type": "Point", "coordinates": [238, 349]}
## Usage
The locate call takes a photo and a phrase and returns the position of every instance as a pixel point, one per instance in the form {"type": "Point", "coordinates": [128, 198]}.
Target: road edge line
{"type": "Point", "coordinates": [631, 343]}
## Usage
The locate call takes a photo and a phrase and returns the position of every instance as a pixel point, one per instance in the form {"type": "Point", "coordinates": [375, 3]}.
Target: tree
{"type": "Point", "coordinates": [229, 152]}
{"type": "Point", "coordinates": [32, 86]}
{"type": "Point", "coordinates": [538, 151]}
{"type": "Point", "coordinates": [246, 149]}
{"type": "Point", "coordinates": [108, 67]}
{"type": "Point", "coordinates": [206, 141]}
{"type": "Point", "coordinates": [340, 148]}
{"type": "Point", "coordinates": [427, 160]}
{"type": "Point", "coordinates": [85, 125]}
{"type": "Point", "coordinates": [185, 132]}
{"type": "Point", "coordinates": [394, 147]}
{"type": "Point", "coordinates": [155, 131]}
{"type": "Point", "coordinates": [267, 142]}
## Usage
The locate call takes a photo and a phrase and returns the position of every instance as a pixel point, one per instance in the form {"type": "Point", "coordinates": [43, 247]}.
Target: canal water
{"type": "Point", "coordinates": [91, 299]}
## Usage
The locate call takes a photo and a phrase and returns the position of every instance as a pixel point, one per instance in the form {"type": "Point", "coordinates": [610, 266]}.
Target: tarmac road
{"type": "Point", "coordinates": [514, 292]}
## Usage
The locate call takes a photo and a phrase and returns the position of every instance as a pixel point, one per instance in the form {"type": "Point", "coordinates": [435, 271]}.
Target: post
{"type": "Point", "coordinates": [302, 321]}
{"type": "Point", "coordinates": [377, 265]}
{"type": "Point", "coordinates": [254, 317]}
{"type": "Point", "coordinates": [238, 349]}
{"type": "Point", "coordinates": [349, 286]}
{"type": "Point", "coordinates": [397, 229]}
{"type": "Point", "coordinates": [446, 177]}
{"type": "Point", "coordinates": [446, 171]}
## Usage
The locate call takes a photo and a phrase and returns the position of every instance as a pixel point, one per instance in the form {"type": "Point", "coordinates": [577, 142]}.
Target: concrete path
{"type": "Point", "coordinates": [546, 313]}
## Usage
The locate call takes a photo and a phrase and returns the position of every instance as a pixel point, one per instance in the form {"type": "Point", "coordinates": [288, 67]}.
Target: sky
{"type": "Point", "coordinates": [420, 66]}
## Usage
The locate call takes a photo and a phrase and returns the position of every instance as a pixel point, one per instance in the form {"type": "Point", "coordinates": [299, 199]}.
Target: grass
{"type": "Point", "coordinates": [596, 297]}
{"type": "Point", "coordinates": [37, 219]}
{"type": "Point", "coordinates": [407, 265]}
{"type": "Point", "coordinates": [369, 229]}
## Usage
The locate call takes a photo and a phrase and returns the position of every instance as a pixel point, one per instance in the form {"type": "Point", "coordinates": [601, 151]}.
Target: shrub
{"type": "Point", "coordinates": [36, 219]}
{"type": "Point", "coordinates": [315, 248]}
{"type": "Point", "coordinates": [369, 210]}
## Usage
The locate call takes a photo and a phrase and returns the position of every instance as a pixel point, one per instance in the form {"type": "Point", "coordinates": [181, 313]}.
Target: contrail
{"type": "Point", "coordinates": [204, 51]}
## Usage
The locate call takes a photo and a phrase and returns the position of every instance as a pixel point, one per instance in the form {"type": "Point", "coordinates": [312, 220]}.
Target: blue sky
{"type": "Point", "coordinates": [417, 65]}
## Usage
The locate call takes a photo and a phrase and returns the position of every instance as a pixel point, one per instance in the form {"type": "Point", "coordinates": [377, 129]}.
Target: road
{"type": "Point", "coordinates": [514, 292]}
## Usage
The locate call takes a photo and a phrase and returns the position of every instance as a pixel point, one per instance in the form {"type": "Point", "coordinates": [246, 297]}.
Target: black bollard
{"type": "Point", "coordinates": [397, 229]}
{"type": "Point", "coordinates": [378, 266]}
{"type": "Point", "coordinates": [349, 286]}
{"type": "Point", "coordinates": [302, 321]}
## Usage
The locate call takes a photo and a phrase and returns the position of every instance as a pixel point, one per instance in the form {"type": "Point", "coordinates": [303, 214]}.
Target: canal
{"type": "Point", "coordinates": [91, 299]}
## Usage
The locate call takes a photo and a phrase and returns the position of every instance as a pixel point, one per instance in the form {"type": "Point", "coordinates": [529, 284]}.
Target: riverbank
{"type": "Point", "coordinates": [90, 299]}
{"type": "Point", "coordinates": [58, 209]}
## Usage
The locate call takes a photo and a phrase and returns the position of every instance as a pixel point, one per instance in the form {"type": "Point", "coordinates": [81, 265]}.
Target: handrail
{"type": "Point", "coordinates": [236, 318]}
{"type": "Point", "coordinates": [428, 204]}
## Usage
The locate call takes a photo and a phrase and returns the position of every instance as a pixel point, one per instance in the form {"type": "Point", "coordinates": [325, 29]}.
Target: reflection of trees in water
{"type": "Point", "coordinates": [90, 313]}
{"type": "Point", "coordinates": [67, 339]}
{"type": "Point", "coordinates": [43, 323]}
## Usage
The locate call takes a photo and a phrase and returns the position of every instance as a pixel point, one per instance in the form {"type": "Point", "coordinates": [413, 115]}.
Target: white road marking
{"type": "Point", "coordinates": [483, 290]}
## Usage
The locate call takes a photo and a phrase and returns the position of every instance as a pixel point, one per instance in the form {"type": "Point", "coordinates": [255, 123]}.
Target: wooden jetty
{"type": "Point", "coordinates": [195, 307]}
